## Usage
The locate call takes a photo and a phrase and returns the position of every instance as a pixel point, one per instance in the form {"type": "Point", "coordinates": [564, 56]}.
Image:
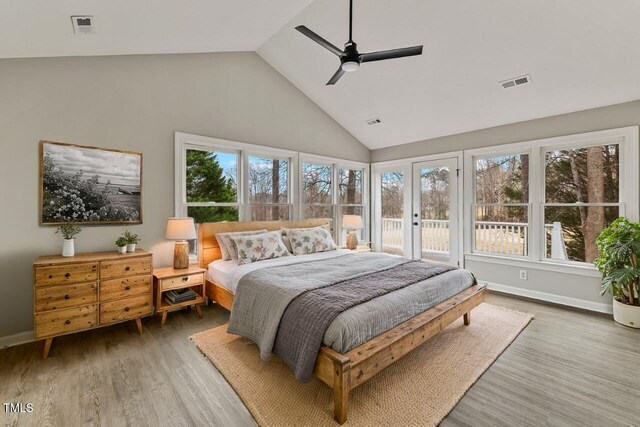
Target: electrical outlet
{"type": "Point", "coordinates": [523, 274]}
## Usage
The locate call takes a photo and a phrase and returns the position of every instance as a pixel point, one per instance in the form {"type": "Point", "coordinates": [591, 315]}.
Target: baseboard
{"type": "Point", "coordinates": [557, 299]}
{"type": "Point", "coordinates": [16, 339]}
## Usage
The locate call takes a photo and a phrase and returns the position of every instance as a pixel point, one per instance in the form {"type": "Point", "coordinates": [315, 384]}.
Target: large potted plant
{"type": "Point", "coordinates": [619, 247]}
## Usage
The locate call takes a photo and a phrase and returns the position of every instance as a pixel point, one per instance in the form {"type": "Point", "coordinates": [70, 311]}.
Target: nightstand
{"type": "Point", "coordinates": [362, 247]}
{"type": "Point", "coordinates": [167, 279]}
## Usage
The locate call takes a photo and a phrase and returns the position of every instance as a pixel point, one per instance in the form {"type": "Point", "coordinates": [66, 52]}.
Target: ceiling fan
{"type": "Point", "coordinates": [350, 58]}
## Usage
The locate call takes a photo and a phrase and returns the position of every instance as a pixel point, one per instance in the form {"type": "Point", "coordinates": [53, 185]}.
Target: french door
{"type": "Point", "coordinates": [434, 215]}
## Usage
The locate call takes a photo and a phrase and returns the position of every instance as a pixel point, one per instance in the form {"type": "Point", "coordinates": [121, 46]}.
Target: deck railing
{"type": "Point", "coordinates": [490, 236]}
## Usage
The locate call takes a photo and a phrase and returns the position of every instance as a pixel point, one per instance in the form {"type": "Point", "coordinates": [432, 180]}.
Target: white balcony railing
{"type": "Point", "coordinates": [493, 237]}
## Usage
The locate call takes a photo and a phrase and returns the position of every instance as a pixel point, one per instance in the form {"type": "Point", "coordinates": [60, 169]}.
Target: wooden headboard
{"type": "Point", "coordinates": [209, 250]}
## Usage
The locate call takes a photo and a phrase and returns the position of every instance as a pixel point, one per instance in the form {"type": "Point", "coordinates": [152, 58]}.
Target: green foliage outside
{"type": "Point", "coordinates": [206, 182]}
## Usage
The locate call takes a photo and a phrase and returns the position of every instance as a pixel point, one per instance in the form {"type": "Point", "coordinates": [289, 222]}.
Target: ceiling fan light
{"type": "Point", "coordinates": [350, 66]}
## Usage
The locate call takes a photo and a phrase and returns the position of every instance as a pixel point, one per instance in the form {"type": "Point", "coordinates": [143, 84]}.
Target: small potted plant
{"type": "Point", "coordinates": [121, 243]}
{"type": "Point", "coordinates": [69, 232]}
{"type": "Point", "coordinates": [619, 246]}
{"type": "Point", "coordinates": [132, 240]}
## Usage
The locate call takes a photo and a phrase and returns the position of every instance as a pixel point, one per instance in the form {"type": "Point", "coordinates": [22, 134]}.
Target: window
{"type": "Point", "coordinates": [582, 197]}
{"type": "Point", "coordinates": [548, 200]}
{"type": "Point", "coordinates": [392, 188]}
{"type": "Point", "coordinates": [502, 201]}
{"type": "Point", "coordinates": [219, 180]}
{"type": "Point", "coordinates": [211, 185]}
{"type": "Point", "coordinates": [269, 189]}
{"type": "Point", "coordinates": [332, 189]}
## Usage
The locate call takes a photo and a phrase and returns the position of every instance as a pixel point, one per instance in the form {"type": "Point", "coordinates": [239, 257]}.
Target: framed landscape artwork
{"type": "Point", "coordinates": [89, 185]}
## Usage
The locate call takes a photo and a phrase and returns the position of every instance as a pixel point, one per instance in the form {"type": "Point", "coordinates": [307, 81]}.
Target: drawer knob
{"type": "Point", "coordinates": [128, 288]}
{"type": "Point", "coordinates": [184, 279]}
{"type": "Point", "coordinates": [127, 268]}
{"type": "Point", "coordinates": [127, 309]}
{"type": "Point", "coordinates": [67, 296]}
{"type": "Point", "coordinates": [67, 275]}
{"type": "Point", "coordinates": [68, 322]}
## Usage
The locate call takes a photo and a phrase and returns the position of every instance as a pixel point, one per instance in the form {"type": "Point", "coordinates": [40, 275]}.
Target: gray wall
{"type": "Point", "coordinates": [134, 103]}
{"type": "Point", "coordinates": [558, 286]}
{"type": "Point", "coordinates": [614, 116]}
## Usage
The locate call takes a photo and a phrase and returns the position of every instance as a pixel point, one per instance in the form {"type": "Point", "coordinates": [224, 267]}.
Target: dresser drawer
{"type": "Point", "coordinates": [58, 322]}
{"type": "Point", "coordinates": [72, 273]}
{"type": "Point", "coordinates": [123, 288]}
{"type": "Point", "coordinates": [54, 297]}
{"type": "Point", "coordinates": [125, 309]}
{"type": "Point", "coordinates": [182, 281]}
{"type": "Point", "coordinates": [125, 267]}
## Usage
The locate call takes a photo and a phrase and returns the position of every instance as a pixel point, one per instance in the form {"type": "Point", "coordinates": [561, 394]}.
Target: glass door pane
{"type": "Point", "coordinates": [435, 211]}
{"type": "Point", "coordinates": [392, 188]}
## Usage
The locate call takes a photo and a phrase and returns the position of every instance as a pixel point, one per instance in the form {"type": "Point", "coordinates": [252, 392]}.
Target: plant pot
{"type": "Point", "coordinates": [122, 249]}
{"type": "Point", "coordinates": [68, 248]}
{"type": "Point", "coordinates": [625, 314]}
{"type": "Point", "coordinates": [131, 247]}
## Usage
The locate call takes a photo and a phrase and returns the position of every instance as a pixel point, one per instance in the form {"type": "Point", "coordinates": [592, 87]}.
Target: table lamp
{"type": "Point", "coordinates": [352, 222]}
{"type": "Point", "coordinates": [180, 230]}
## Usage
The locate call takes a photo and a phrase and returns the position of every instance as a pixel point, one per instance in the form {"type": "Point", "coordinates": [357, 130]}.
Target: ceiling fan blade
{"type": "Point", "coordinates": [334, 79]}
{"type": "Point", "coordinates": [391, 54]}
{"type": "Point", "coordinates": [316, 38]}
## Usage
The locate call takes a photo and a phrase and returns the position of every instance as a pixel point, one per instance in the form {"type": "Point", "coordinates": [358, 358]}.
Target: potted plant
{"type": "Point", "coordinates": [619, 247]}
{"type": "Point", "coordinates": [121, 243]}
{"type": "Point", "coordinates": [132, 240]}
{"type": "Point", "coordinates": [69, 232]}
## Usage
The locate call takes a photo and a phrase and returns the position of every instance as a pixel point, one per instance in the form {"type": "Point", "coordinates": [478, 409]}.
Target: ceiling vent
{"type": "Point", "coordinates": [518, 81]}
{"type": "Point", "coordinates": [372, 122]}
{"type": "Point", "coordinates": [82, 24]}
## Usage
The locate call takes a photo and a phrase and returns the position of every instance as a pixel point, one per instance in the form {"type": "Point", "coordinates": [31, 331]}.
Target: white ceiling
{"type": "Point", "coordinates": [580, 53]}
{"type": "Point", "coordinates": [34, 28]}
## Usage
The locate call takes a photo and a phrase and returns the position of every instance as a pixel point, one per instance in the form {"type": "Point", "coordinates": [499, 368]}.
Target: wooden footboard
{"type": "Point", "coordinates": [344, 372]}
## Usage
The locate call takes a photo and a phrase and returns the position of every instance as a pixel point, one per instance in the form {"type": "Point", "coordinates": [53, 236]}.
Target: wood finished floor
{"type": "Point", "coordinates": [568, 368]}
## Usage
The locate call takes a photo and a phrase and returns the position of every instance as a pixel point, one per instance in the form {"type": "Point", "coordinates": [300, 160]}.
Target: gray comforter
{"type": "Point", "coordinates": [263, 295]}
{"type": "Point", "coordinates": [308, 316]}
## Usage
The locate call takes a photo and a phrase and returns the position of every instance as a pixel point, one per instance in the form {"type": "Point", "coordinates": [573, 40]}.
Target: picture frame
{"type": "Point", "coordinates": [89, 185]}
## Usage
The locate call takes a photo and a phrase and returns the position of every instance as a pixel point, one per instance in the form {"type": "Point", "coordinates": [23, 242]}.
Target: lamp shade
{"type": "Point", "coordinates": [180, 229]}
{"type": "Point", "coordinates": [352, 221]}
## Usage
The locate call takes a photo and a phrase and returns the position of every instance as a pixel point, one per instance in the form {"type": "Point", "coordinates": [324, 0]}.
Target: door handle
{"type": "Point", "coordinates": [415, 223]}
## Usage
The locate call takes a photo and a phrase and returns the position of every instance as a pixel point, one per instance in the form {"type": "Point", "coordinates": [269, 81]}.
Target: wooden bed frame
{"type": "Point", "coordinates": [344, 372]}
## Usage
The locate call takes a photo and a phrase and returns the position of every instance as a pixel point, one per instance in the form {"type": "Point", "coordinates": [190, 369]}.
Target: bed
{"type": "Point", "coordinates": [344, 362]}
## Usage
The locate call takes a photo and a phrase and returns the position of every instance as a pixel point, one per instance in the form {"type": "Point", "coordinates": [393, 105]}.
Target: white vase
{"type": "Point", "coordinates": [122, 249]}
{"type": "Point", "coordinates": [628, 315]}
{"type": "Point", "coordinates": [131, 247]}
{"type": "Point", "coordinates": [68, 248]}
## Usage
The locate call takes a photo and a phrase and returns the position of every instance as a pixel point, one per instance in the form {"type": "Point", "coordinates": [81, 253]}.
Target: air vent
{"type": "Point", "coordinates": [372, 122]}
{"type": "Point", "coordinates": [82, 24]}
{"type": "Point", "coordinates": [518, 81]}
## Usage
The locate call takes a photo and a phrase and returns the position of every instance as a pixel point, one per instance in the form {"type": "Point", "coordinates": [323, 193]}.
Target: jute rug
{"type": "Point", "coordinates": [418, 390]}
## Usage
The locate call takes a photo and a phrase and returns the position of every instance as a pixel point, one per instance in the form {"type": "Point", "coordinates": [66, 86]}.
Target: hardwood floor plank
{"type": "Point", "coordinates": [567, 368]}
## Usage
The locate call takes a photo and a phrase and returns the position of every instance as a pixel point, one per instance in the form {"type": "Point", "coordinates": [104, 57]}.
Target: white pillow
{"type": "Point", "coordinates": [258, 247]}
{"type": "Point", "coordinates": [226, 242]}
{"type": "Point", "coordinates": [310, 240]}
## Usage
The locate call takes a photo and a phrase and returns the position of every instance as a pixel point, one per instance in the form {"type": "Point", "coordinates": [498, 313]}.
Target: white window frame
{"type": "Point", "coordinates": [626, 137]}
{"type": "Point", "coordinates": [337, 164]}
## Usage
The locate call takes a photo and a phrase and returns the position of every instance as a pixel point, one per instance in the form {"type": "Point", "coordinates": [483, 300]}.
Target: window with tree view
{"type": "Point", "coordinates": [317, 197]}
{"type": "Point", "coordinates": [350, 188]}
{"type": "Point", "coordinates": [211, 185]}
{"type": "Point", "coordinates": [269, 189]}
{"type": "Point", "coordinates": [582, 197]}
{"type": "Point", "coordinates": [502, 204]}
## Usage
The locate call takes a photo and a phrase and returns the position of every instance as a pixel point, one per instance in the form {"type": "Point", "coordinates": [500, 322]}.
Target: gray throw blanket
{"type": "Point", "coordinates": [262, 296]}
{"type": "Point", "coordinates": [308, 316]}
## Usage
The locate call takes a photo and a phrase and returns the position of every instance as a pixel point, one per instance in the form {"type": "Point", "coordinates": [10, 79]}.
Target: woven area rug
{"type": "Point", "coordinates": [418, 390]}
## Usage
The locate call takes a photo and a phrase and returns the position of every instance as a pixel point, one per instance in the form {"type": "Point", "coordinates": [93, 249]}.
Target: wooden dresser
{"type": "Point", "coordinates": [90, 290]}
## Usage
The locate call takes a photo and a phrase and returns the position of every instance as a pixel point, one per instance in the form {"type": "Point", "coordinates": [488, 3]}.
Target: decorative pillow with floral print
{"type": "Point", "coordinates": [259, 247]}
{"type": "Point", "coordinates": [310, 240]}
{"type": "Point", "coordinates": [225, 241]}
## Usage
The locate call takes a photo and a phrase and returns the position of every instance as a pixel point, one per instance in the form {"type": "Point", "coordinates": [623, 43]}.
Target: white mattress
{"type": "Point", "coordinates": [228, 273]}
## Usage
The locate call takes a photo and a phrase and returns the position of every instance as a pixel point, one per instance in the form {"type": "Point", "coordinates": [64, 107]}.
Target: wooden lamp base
{"type": "Point", "coordinates": [352, 240]}
{"type": "Point", "coordinates": [181, 255]}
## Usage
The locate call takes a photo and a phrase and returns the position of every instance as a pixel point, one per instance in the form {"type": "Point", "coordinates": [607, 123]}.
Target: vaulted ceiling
{"type": "Point", "coordinates": [580, 54]}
